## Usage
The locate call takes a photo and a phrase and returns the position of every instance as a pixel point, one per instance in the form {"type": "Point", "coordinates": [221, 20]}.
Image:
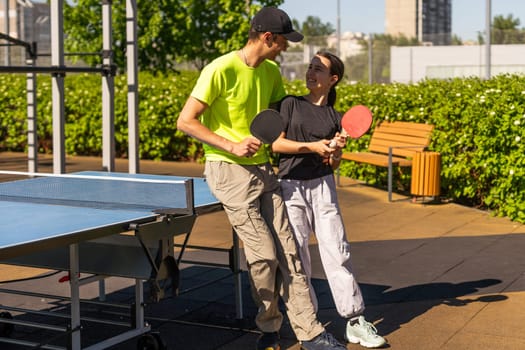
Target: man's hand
{"type": "Point", "coordinates": [247, 147]}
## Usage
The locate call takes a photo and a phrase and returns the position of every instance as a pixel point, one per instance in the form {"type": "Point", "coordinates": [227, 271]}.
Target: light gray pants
{"type": "Point", "coordinates": [313, 207]}
{"type": "Point", "coordinates": [252, 200]}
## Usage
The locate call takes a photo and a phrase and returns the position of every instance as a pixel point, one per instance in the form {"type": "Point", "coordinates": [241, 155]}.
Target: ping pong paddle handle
{"type": "Point", "coordinates": [333, 143]}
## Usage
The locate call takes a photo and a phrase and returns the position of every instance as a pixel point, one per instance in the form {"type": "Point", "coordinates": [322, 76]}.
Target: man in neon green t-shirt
{"type": "Point", "coordinates": [230, 91]}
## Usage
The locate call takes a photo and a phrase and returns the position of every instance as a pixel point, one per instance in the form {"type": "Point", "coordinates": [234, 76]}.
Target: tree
{"type": "Point", "coordinates": [456, 40]}
{"type": "Point", "coordinates": [315, 31]}
{"type": "Point", "coordinates": [169, 31]}
{"type": "Point", "coordinates": [505, 30]}
{"type": "Point", "coordinates": [508, 23]}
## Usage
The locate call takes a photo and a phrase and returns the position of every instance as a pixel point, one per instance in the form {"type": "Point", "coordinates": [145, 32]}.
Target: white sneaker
{"type": "Point", "coordinates": [364, 333]}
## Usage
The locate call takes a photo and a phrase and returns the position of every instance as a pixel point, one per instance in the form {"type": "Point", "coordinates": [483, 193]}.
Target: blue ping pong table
{"type": "Point", "coordinates": [102, 224]}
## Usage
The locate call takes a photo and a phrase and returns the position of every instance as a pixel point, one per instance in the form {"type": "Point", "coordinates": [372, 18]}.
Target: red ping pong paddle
{"type": "Point", "coordinates": [355, 122]}
{"type": "Point", "coordinates": [267, 125]}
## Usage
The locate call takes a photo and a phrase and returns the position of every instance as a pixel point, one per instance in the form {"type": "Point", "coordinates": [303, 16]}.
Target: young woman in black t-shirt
{"type": "Point", "coordinates": [306, 172]}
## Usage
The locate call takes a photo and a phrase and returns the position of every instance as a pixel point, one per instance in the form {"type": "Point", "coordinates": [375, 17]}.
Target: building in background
{"type": "Point", "coordinates": [410, 64]}
{"type": "Point", "coordinates": [430, 21]}
{"type": "Point", "coordinates": [28, 21]}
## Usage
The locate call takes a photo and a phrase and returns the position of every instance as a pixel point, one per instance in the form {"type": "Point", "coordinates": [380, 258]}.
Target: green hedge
{"type": "Point", "coordinates": [478, 131]}
{"type": "Point", "coordinates": [478, 127]}
{"type": "Point", "coordinates": [161, 99]}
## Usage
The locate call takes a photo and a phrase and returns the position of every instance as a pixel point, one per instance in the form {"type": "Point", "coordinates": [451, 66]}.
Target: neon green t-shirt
{"type": "Point", "coordinates": [235, 93]}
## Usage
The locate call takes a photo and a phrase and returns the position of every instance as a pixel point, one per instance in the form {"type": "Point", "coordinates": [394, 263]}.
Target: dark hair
{"type": "Point", "coordinates": [337, 67]}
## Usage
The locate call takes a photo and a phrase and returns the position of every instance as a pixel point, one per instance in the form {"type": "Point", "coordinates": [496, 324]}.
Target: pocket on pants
{"type": "Point", "coordinates": [245, 227]}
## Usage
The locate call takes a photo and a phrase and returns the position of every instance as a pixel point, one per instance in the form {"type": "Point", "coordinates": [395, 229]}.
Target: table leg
{"type": "Point", "coordinates": [75, 296]}
{"type": "Point", "coordinates": [237, 276]}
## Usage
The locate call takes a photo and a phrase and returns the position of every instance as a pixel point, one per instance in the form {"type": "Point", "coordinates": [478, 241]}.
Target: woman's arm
{"type": "Point", "coordinates": [284, 145]}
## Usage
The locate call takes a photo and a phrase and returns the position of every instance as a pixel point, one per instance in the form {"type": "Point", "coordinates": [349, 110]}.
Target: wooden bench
{"type": "Point", "coordinates": [393, 144]}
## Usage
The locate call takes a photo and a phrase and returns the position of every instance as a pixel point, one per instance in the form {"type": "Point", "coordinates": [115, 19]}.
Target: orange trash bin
{"type": "Point", "coordinates": [426, 170]}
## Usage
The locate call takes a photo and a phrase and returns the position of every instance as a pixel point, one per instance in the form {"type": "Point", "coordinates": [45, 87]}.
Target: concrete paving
{"type": "Point", "coordinates": [434, 275]}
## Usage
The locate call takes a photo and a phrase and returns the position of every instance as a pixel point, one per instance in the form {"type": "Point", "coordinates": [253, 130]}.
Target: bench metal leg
{"type": "Point", "coordinates": [390, 167]}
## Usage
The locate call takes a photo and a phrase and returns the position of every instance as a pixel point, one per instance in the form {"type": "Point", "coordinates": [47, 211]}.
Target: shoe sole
{"type": "Point", "coordinates": [355, 340]}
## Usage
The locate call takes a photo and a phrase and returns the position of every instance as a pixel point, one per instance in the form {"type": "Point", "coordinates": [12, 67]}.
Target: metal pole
{"type": "Point", "coordinates": [370, 58]}
{"type": "Point", "coordinates": [338, 52]}
{"type": "Point", "coordinates": [239, 312]}
{"type": "Point", "coordinates": [487, 38]}
{"type": "Point", "coordinates": [57, 82]}
{"type": "Point", "coordinates": [338, 28]}
{"type": "Point", "coordinates": [133, 86]}
{"type": "Point", "coordinates": [7, 52]}
{"type": "Point", "coordinates": [32, 134]}
{"type": "Point", "coordinates": [108, 92]}
{"type": "Point", "coordinates": [411, 64]}
{"type": "Point", "coordinates": [74, 285]}
{"type": "Point", "coordinates": [54, 69]}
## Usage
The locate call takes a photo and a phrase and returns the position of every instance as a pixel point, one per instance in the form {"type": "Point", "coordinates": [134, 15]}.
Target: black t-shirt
{"type": "Point", "coordinates": [306, 122]}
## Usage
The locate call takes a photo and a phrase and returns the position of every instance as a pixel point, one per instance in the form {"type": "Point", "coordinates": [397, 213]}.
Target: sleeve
{"type": "Point", "coordinates": [337, 121]}
{"type": "Point", "coordinates": [208, 85]}
{"type": "Point", "coordinates": [286, 111]}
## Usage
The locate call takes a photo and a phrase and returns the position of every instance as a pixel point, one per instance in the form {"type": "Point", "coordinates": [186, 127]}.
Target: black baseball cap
{"type": "Point", "coordinates": [271, 19]}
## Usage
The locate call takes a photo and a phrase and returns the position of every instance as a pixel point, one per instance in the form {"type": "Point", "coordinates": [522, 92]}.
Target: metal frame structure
{"type": "Point", "coordinates": [58, 71]}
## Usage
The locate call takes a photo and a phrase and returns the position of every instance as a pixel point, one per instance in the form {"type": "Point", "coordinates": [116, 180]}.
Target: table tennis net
{"type": "Point", "coordinates": [104, 193]}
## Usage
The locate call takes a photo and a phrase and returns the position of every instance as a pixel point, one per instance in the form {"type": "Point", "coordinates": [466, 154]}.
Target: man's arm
{"type": "Point", "coordinates": [189, 123]}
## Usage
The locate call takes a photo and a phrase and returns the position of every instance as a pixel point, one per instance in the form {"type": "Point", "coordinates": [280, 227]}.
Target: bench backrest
{"type": "Point", "coordinates": [410, 137]}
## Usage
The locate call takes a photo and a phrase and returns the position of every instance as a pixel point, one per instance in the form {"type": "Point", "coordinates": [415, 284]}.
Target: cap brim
{"type": "Point", "coordinates": [293, 36]}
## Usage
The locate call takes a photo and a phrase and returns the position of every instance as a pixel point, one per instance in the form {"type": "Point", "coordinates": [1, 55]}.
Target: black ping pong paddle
{"type": "Point", "coordinates": [267, 125]}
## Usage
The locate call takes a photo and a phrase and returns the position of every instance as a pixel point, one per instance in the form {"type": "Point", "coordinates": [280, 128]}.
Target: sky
{"type": "Point", "coordinates": [368, 16]}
